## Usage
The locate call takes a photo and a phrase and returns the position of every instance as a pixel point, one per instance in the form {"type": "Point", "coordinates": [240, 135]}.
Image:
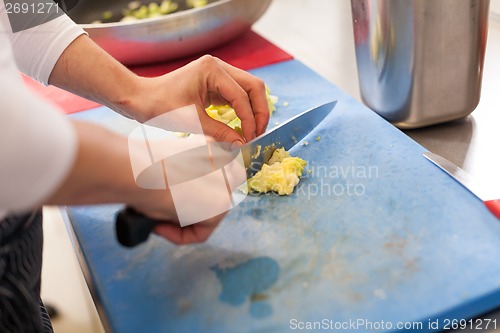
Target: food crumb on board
{"type": "Point", "coordinates": [258, 297]}
{"type": "Point", "coordinates": [379, 293]}
{"type": "Point", "coordinates": [318, 138]}
{"type": "Point", "coordinates": [184, 304]}
{"type": "Point", "coordinates": [281, 174]}
{"type": "Point", "coordinates": [257, 152]}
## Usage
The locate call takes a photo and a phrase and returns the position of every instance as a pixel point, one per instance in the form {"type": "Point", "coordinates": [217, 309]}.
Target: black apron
{"type": "Point", "coordinates": [21, 242]}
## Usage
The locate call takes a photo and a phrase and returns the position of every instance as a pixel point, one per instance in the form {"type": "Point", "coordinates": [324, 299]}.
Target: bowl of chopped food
{"type": "Point", "coordinates": [147, 31]}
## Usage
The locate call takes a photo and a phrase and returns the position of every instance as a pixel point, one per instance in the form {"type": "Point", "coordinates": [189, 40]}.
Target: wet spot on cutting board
{"type": "Point", "coordinates": [260, 309]}
{"type": "Point", "coordinates": [257, 213]}
{"type": "Point", "coordinates": [248, 281]}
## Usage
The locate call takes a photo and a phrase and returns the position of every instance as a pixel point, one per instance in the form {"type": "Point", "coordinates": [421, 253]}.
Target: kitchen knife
{"type": "Point", "coordinates": [464, 178]}
{"type": "Point", "coordinates": [286, 135]}
{"type": "Point", "coordinates": [133, 228]}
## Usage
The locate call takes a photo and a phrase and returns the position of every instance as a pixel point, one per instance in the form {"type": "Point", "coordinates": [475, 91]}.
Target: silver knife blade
{"type": "Point", "coordinates": [259, 150]}
{"type": "Point", "coordinates": [458, 174]}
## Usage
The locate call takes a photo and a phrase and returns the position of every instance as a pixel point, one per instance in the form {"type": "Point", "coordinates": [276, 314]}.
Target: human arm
{"type": "Point", "coordinates": [46, 159]}
{"type": "Point", "coordinates": [53, 53]}
{"type": "Point", "coordinates": [85, 69]}
{"type": "Point", "coordinates": [111, 180]}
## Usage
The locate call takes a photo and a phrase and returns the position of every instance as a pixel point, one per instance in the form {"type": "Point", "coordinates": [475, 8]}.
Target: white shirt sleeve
{"type": "Point", "coordinates": [38, 144]}
{"type": "Point", "coordinates": [37, 49]}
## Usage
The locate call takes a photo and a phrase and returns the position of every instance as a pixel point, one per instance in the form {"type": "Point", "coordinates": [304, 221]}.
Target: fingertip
{"type": "Point", "coordinates": [249, 131]}
{"type": "Point", "coordinates": [237, 144]}
{"type": "Point", "coordinates": [262, 121]}
{"type": "Point", "coordinates": [223, 133]}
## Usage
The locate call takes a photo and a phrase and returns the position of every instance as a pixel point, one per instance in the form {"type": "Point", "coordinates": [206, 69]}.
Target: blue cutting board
{"type": "Point", "coordinates": [375, 232]}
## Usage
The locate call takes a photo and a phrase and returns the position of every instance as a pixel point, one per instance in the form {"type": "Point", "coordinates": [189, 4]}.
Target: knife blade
{"type": "Point", "coordinates": [133, 228]}
{"type": "Point", "coordinates": [286, 135]}
{"type": "Point", "coordinates": [465, 180]}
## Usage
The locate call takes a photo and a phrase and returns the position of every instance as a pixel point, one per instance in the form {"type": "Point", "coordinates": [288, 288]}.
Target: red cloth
{"type": "Point", "coordinates": [246, 52]}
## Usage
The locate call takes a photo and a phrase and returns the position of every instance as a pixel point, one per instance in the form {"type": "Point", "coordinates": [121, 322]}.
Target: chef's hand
{"type": "Point", "coordinates": [206, 81]}
{"type": "Point", "coordinates": [87, 70]}
{"type": "Point", "coordinates": [114, 180]}
{"type": "Point", "coordinates": [194, 178]}
{"type": "Point", "coordinates": [160, 207]}
{"type": "Point", "coordinates": [195, 233]}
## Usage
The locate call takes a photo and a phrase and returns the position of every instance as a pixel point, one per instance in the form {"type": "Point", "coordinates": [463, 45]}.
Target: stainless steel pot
{"type": "Point", "coordinates": [171, 36]}
{"type": "Point", "coordinates": [420, 62]}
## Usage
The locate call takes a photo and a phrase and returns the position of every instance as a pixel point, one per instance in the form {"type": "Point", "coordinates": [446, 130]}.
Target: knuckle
{"type": "Point", "coordinates": [260, 85]}
{"type": "Point", "coordinates": [265, 116]}
{"type": "Point", "coordinates": [242, 94]}
{"type": "Point", "coordinates": [207, 61]}
{"type": "Point", "coordinates": [202, 238]}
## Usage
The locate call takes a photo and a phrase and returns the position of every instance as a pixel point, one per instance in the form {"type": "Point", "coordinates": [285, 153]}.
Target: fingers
{"type": "Point", "coordinates": [214, 98]}
{"type": "Point", "coordinates": [196, 233]}
{"type": "Point", "coordinates": [256, 91]}
{"type": "Point", "coordinates": [220, 81]}
{"type": "Point", "coordinates": [221, 132]}
{"type": "Point", "coordinates": [245, 93]}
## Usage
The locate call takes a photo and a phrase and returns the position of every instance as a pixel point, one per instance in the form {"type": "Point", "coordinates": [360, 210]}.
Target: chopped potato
{"type": "Point", "coordinates": [281, 174]}
{"type": "Point", "coordinates": [227, 115]}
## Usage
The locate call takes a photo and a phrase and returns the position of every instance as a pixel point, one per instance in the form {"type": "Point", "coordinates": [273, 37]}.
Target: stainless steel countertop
{"type": "Point", "coordinates": [319, 33]}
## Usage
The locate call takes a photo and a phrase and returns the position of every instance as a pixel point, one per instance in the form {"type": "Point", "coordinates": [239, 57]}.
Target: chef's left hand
{"type": "Point", "coordinates": [86, 70]}
{"type": "Point", "coordinates": [202, 82]}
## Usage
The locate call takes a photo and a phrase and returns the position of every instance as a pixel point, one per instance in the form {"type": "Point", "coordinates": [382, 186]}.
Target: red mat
{"type": "Point", "coordinates": [246, 52]}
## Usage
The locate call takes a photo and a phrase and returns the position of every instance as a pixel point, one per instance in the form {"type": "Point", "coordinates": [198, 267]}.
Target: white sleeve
{"type": "Point", "coordinates": [38, 144]}
{"type": "Point", "coordinates": [37, 49]}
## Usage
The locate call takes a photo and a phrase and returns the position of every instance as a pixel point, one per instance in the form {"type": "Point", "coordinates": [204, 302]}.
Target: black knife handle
{"type": "Point", "coordinates": [132, 227]}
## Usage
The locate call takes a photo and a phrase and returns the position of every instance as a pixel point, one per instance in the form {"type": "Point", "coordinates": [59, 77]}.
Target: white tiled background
{"type": "Point", "coordinates": [317, 32]}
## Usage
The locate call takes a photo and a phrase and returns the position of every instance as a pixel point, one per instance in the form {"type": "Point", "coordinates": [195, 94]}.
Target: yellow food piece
{"type": "Point", "coordinates": [257, 152]}
{"type": "Point", "coordinates": [135, 11]}
{"type": "Point", "coordinates": [196, 3]}
{"type": "Point", "coordinates": [281, 174]}
{"type": "Point", "coordinates": [107, 15]}
{"type": "Point", "coordinates": [278, 156]}
{"type": "Point", "coordinates": [227, 115]}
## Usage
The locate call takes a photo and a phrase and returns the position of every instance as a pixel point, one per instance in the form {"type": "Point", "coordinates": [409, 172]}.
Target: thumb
{"type": "Point", "coordinates": [222, 133]}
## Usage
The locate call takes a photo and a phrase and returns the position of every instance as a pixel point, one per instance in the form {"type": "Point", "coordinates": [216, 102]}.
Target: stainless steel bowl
{"type": "Point", "coordinates": [168, 37]}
